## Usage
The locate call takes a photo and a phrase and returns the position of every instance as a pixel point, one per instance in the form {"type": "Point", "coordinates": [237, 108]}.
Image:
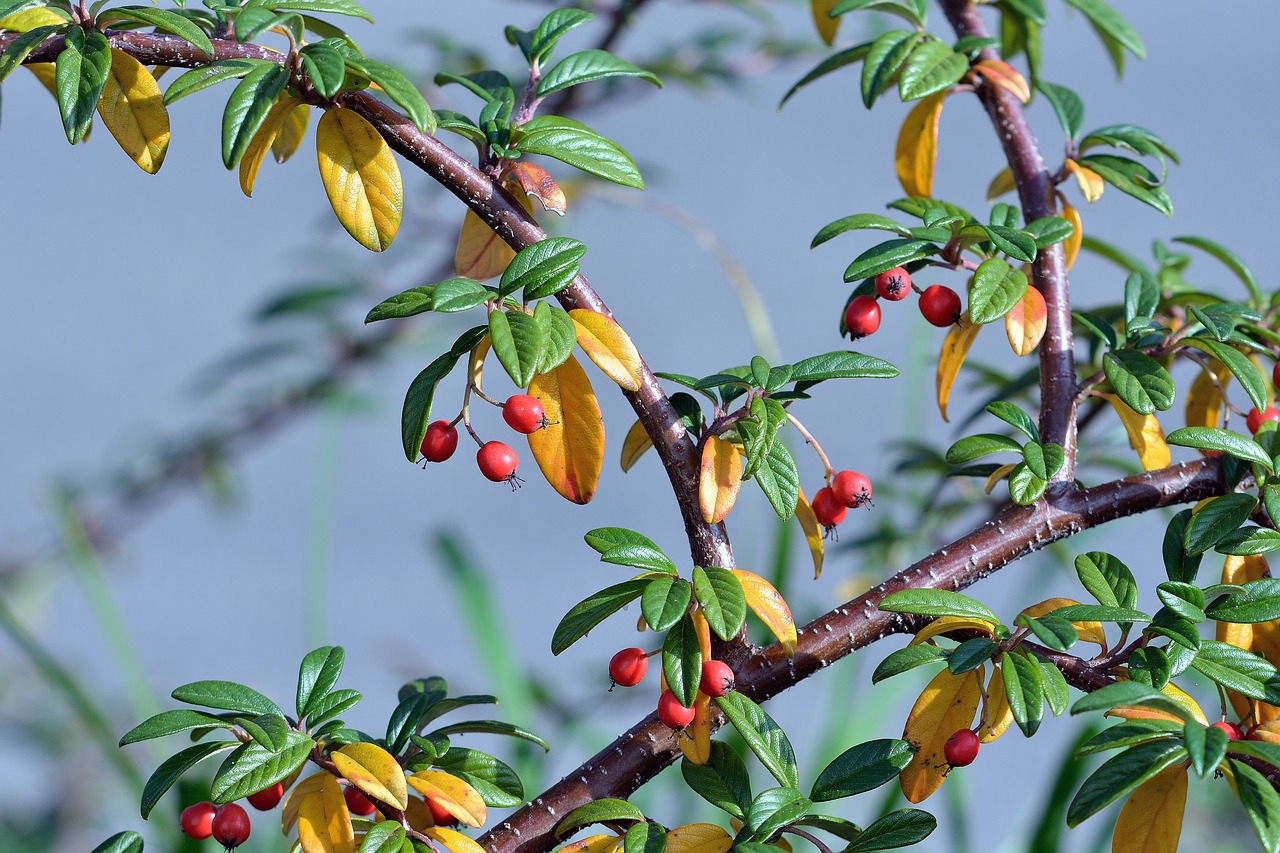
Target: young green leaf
{"type": "Point", "coordinates": [586, 66]}
{"type": "Point", "coordinates": [581, 147]}
{"type": "Point", "coordinates": [723, 602]}
{"type": "Point", "coordinates": [665, 600]}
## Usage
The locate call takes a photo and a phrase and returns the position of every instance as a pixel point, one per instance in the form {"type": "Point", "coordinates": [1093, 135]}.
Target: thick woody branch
{"type": "Point", "coordinates": [1049, 274]}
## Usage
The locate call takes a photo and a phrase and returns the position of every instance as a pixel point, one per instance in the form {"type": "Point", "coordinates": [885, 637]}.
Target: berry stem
{"type": "Point", "coordinates": [813, 442]}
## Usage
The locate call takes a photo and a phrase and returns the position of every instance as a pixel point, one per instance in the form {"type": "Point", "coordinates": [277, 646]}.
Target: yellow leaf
{"type": "Point", "coordinates": [1071, 245]}
{"type": "Point", "coordinates": [696, 740]}
{"type": "Point", "coordinates": [1263, 638]}
{"type": "Point", "coordinates": [946, 706]}
{"type": "Point", "coordinates": [418, 814]}
{"type": "Point", "coordinates": [538, 183]}
{"type": "Point", "coordinates": [593, 844]}
{"type": "Point", "coordinates": [481, 254]}
{"type": "Point", "coordinates": [361, 178]}
{"type": "Point", "coordinates": [1204, 400]}
{"type": "Point", "coordinates": [1090, 632]}
{"type": "Point", "coordinates": [946, 624]}
{"type": "Point", "coordinates": [1002, 183]}
{"type": "Point", "coordinates": [292, 800]}
{"type": "Point", "coordinates": [132, 108]}
{"type": "Point", "coordinates": [605, 343]}
{"type": "Point", "coordinates": [822, 19]}
{"type": "Point", "coordinates": [374, 771]}
{"type": "Point", "coordinates": [702, 629]}
{"type": "Point", "coordinates": [954, 349]}
{"type": "Point", "coordinates": [1175, 693]}
{"type": "Point", "coordinates": [1269, 731]}
{"type": "Point", "coordinates": [25, 22]}
{"type": "Point", "coordinates": [47, 75]}
{"type": "Point", "coordinates": [917, 148]}
{"type": "Point", "coordinates": [994, 478]}
{"type": "Point", "coordinates": [1145, 434]}
{"type": "Point", "coordinates": [1026, 321]}
{"type": "Point", "coordinates": [812, 532]}
{"type": "Point", "coordinates": [999, 715]}
{"type": "Point", "coordinates": [452, 794]}
{"type": "Point", "coordinates": [635, 445]}
{"type": "Point", "coordinates": [263, 141]}
{"type": "Point", "coordinates": [570, 448]}
{"type": "Point", "coordinates": [292, 131]}
{"type": "Point", "coordinates": [719, 479]}
{"type": "Point", "coordinates": [1004, 75]}
{"type": "Point", "coordinates": [770, 607]}
{"type": "Point", "coordinates": [324, 824]}
{"type": "Point", "coordinates": [698, 838]}
{"type": "Point", "coordinates": [1151, 820]}
{"type": "Point", "coordinates": [1089, 181]}
{"type": "Point", "coordinates": [453, 840]}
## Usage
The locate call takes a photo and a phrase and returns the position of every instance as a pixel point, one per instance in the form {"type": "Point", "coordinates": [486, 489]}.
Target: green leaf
{"type": "Point", "coordinates": [399, 89]}
{"type": "Point", "coordinates": [586, 66]}
{"type": "Point", "coordinates": [1025, 488]}
{"type": "Point", "coordinates": [1014, 242]}
{"type": "Point", "coordinates": [1107, 579]}
{"type": "Point", "coordinates": [901, 828]}
{"type": "Point", "coordinates": [405, 720]}
{"type": "Point", "coordinates": [122, 842]}
{"type": "Point", "coordinates": [1044, 460]}
{"type": "Point", "coordinates": [1217, 519]}
{"type": "Point", "coordinates": [497, 784]}
{"type": "Point", "coordinates": [1233, 262]}
{"type": "Point", "coordinates": [201, 78]}
{"type": "Point", "coordinates": [1224, 441]}
{"type": "Point", "coordinates": [779, 479]}
{"type": "Point", "coordinates": [458, 294]}
{"type": "Point", "coordinates": [174, 766]}
{"type": "Point", "coordinates": [1261, 803]}
{"type": "Point", "coordinates": [773, 809]}
{"type": "Point", "coordinates": [1120, 775]}
{"type": "Point", "coordinates": [1024, 689]}
{"type": "Point", "coordinates": [861, 768]}
{"type": "Point", "coordinates": [977, 446]}
{"type": "Point", "coordinates": [543, 269]}
{"type": "Point", "coordinates": [1244, 370]}
{"type": "Point", "coordinates": [884, 60]}
{"type": "Point", "coordinates": [337, 702]}
{"type": "Point", "coordinates": [416, 412]}
{"type": "Point", "coordinates": [937, 602]}
{"type": "Point", "coordinates": [81, 72]}
{"type": "Point", "coordinates": [226, 696]}
{"type": "Point", "coordinates": [913, 10]}
{"type": "Point", "coordinates": [517, 342]}
{"type": "Point", "coordinates": [665, 600]}
{"type": "Point", "coordinates": [1258, 602]}
{"type": "Point", "coordinates": [1139, 380]}
{"type": "Point", "coordinates": [1100, 613]}
{"type": "Point", "coordinates": [1049, 230]}
{"type": "Point", "coordinates": [886, 256]}
{"type": "Point", "coordinates": [765, 737]}
{"type": "Point", "coordinates": [171, 722]}
{"type": "Point", "coordinates": [1184, 599]}
{"type": "Point", "coordinates": [840, 365]}
{"type": "Point", "coordinates": [325, 67]}
{"type": "Point", "coordinates": [1031, 9]}
{"type": "Point", "coordinates": [493, 727]}
{"type": "Point", "coordinates": [385, 837]}
{"type": "Point", "coordinates": [1182, 631]}
{"type": "Point", "coordinates": [1141, 298]}
{"type": "Point", "coordinates": [415, 300]}
{"type": "Point", "coordinates": [995, 289]}
{"type": "Point", "coordinates": [268, 731]}
{"type": "Point", "coordinates": [552, 28]}
{"type": "Point", "coordinates": [1107, 20]}
{"type": "Point", "coordinates": [593, 610]}
{"type": "Point", "coordinates": [858, 221]}
{"type": "Point", "coordinates": [1178, 565]}
{"type": "Point", "coordinates": [905, 659]}
{"type": "Point", "coordinates": [1015, 417]}
{"type": "Point", "coordinates": [604, 810]}
{"type": "Point", "coordinates": [251, 767]}
{"type": "Point", "coordinates": [581, 147]}
{"type": "Point", "coordinates": [559, 335]}
{"type": "Point", "coordinates": [1067, 106]}
{"type": "Point", "coordinates": [247, 108]}
{"type": "Point", "coordinates": [161, 19]}
{"type": "Point", "coordinates": [970, 654]}
{"type": "Point", "coordinates": [317, 7]}
{"type": "Point", "coordinates": [1129, 733]}
{"type": "Point", "coordinates": [1130, 693]}
{"type": "Point", "coordinates": [721, 781]}
{"type": "Point", "coordinates": [682, 659]}
{"type": "Point", "coordinates": [723, 602]}
{"type": "Point", "coordinates": [1053, 631]}
{"type": "Point", "coordinates": [1206, 746]}
{"type": "Point", "coordinates": [932, 67]}
{"type": "Point", "coordinates": [835, 62]}
{"type": "Point", "coordinates": [1239, 670]}
{"type": "Point", "coordinates": [647, 837]}
{"type": "Point", "coordinates": [21, 47]}
{"type": "Point", "coordinates": [317, 675]}
{"type": "Point", "coordinates": [1131, 177]}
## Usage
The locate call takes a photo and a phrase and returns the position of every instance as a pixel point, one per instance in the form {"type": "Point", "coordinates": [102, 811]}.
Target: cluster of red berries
{"type": "Point", "coordinates": [628, 667]}
{"type": "Point", "coordinates": [848, 490]}
{"type": "Point", "coordinates": [939, 304]}
{"type": "Point", "coordinates": [497, 461]}
{"type": "Point", "coordinates": [227, 824]}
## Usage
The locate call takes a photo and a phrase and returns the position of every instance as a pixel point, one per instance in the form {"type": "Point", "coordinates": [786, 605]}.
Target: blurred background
{"type": "Point", "coordinates": [202, 474]}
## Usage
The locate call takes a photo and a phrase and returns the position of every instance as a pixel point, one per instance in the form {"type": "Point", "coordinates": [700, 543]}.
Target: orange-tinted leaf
{"type": "Point", "coordinates": [702, 629]}
{"type": "Point", "coordinates": [635, 445]}
{"type": "Point", "coordinates": [812, 532]}
{"type": "Point", "coordinates": [698, 838]}
{"type": "Point", "coordinates": [451, 794]}
{"type": "Point", "coordinates": [1002, 183]}
{"type": "Point", "coordinates": [1090, 632]}
{"type": "Point", "coordinates": [999, 714]}
{"type": "Point", "coordinates": [917, 149]}
{"type": "Point", "coordinates": [293, 799]}
{"type": "Point", "coordinates": [453, 840]}
{"type": "Point", "coordinates": [1145, 434]}
{"type": "Point", "coordinates": [1263, 638]}
{"type": "Point", "coordinates": [593, 844]}
{"type": "Point", "coordinates": [719, 479]}
{"type": "Point", "coordinates": [1071, 245]}
{"type": "Point", "coordinates": [292, 131]}
{"type": "Point", "coordinates": [481, 254]}
{"type": "Point", "coordinates": [361, 178]}
{"type": "Point", "coordinates": [263, 141]}
{"type": "Point", "coordinates": [324, 824]}
{"type": "Point", "coordinates": [1268, 731]}
{"type": "Point", "coordinates": [947, 705]}
{"type": "Point", "coordinates": [374, 771]}
{"type": "Point", "coordinates": [994, 478]}
{"type": "Point", "coordinates": [1204, 400]}
{"type": "Point", "coordinates": [1090, 182]}
{"type": "Point", "coordinates": [1004, 75]}
{"type": "Point", "coordinates": [696, 740]}
{"type": "Point", "coordinates": [606, 344]}
{"type": "Point", "coordinates": [946, 624]}
{"type": "Point", "coordinates": [1175, 693]}
{"type": "Point", "coordinates": [822, 19]}
{"type": "Point", "coordinates": [954, 349]}
{"type": "Point", "coordinates": [132, 108]}
{"type": "Point", "coordinates": [1026, 321]}
{"type": "Point", "coordinates": [570, 448]}
{"type": "Point", "coordinates": [1151, 820]}
{"type": "Point", "coordinates": [538, 183]}
{"type": "Point", "coordinates": [770, 607]}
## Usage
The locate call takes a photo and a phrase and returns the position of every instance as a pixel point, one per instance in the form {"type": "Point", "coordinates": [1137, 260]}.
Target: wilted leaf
{"type": "Point", "coordinates": [1145, 434]}
{"type": "Point", "coordinates": [719, 479]}
{"type": "Point", "coordinates": [954, 349]}
{"type": "Point", "coordinates": [264, 140]}
{"type": "Point", "coordinates": [635, 445]}
{"type": "Point", "coordinates": [1090, 182]}
{"type": "Point", "coordinates": [451, 794]}
{"type": "Point", "coordinates": [538, 183]}
{"type": "Point", "coordinates": [825, 24]}
{"type": "Point", "coordinates": [1004, 75]}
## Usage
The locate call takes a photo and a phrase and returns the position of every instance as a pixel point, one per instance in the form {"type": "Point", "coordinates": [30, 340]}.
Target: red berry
{"type": "Point", "coordinates": [961, 748]}
{"type": "Point", "coordinates": [627, 668]}
{"type": "Point", "coordinates": [894, 284]}
{"type": "Point", "coordinates": [1231, 730]}
{"type": "Point", "coordinates": [671, 712]}
{"type": "Point", "coordinates": [524, 413]}
{"type": "Point", "coordinates": [851, 488]}
{"type": "Point", "coordinates": [230, 825]}
{"type": "Point", "coordinates": [827, 508]}
{"type": "Point", "coordinates": [357, 803]}
{"type": "Point", "coordinates": [1257, 418]}
{"type": "Point", "coordinates": [498, 462]}
{"type": "Point", "coordinates": [439, 814]}
{"type": "Point", "coordinates": [717, 678]}
{"type": "Point", "coordinates": [862, 316]}
{"type": "Point", "coordinates": [1275, 375]}
{"type": "Point", "coordinates": [197, 820]}
{"type": "Point", "coordinates": [268, 798]}
{"type": "Point", "coordinates": [439, 442]}
{"type": "Point", "coordinates": [940, 305]}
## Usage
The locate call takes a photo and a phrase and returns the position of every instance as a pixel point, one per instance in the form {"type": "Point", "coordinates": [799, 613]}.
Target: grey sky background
{"type": "Point", "coordinates": [121, 287]}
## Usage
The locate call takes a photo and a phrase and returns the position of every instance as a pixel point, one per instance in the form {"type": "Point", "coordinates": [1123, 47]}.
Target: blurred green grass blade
{"type": "Point", "coordinates": [324, 501]}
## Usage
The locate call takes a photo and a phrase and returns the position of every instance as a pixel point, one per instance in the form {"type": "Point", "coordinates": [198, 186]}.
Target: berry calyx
{"type": "Point", "coordinates": [717, 678]}
{"type": "Point", "coordinates": [357, 803]}
{"type": "Point", "coordinates": [498, 463]}
{"type": "Point", "coordinates": [197, 820]}
{"type": "Point", "coordinates": [828, 510]}
{"type": "Point", "coordinates": [1231, 730]}
{"type": "Point", "coordinates": [851, 488]}
{"type": "Point", "coordinates": [268, 798]}
{"type": "Point", "coordinates": [439, 442]}
{"type": "Point", "coordinates": [894, 284]}
{"type": "Point", "coordinates": [231, 825]}
{"type": "Point", "coordinates": [940, 305]}
{"type": "Point", "coordinates": [439, 814]}
{"type": "Point", "coordinates": [862, 316]}
{"type": "Point", "coordinates": [1257, 418]}
{"type": "Point", "coordinates": [961, 748]}
{"type": "Point", "coordinates": [524, 413]}
{"type": "Point", "coordinates": [671, 712]}
{"type": "Point", "coordinates": [627, 668]}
